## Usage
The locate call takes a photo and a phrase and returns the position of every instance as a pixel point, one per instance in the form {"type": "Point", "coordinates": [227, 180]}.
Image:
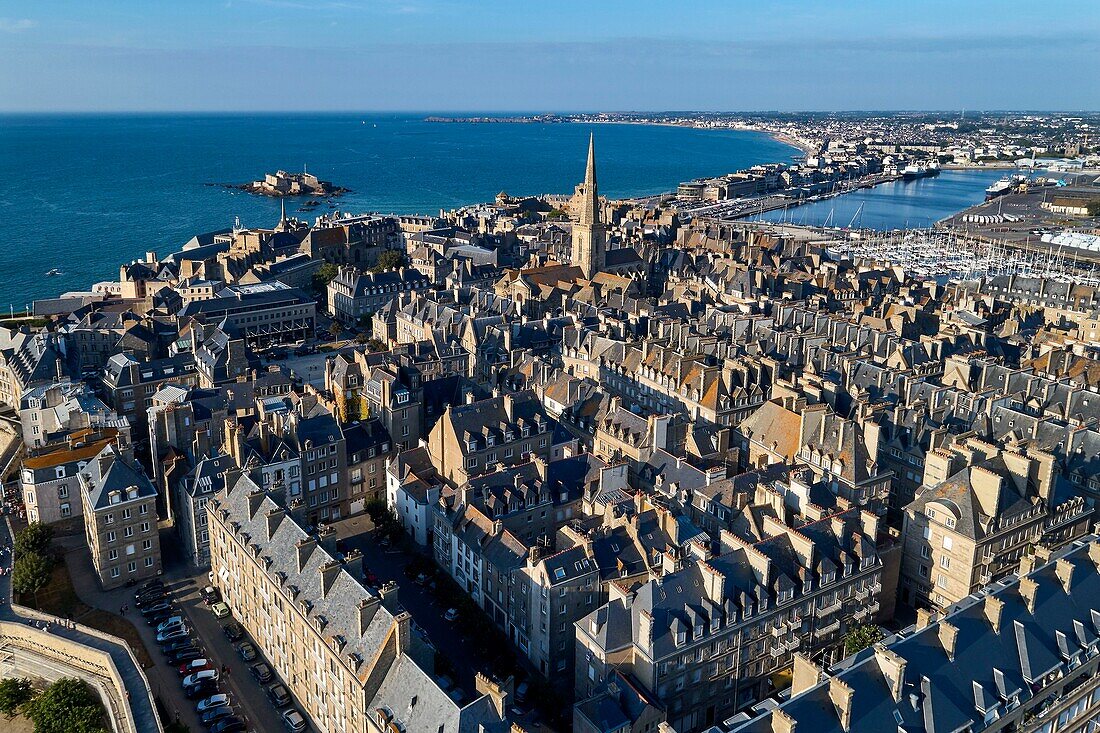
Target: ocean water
{"type": "Point", "coordinates": [85, 193]}
{"type": "Point", "coordinates": [897, 205]}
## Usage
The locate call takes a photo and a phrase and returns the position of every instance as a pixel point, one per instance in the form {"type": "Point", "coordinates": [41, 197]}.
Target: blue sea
{"type": "Point", "coordinates": [85, 193]}
{"type": "Point", "coordinates": [897, 205]}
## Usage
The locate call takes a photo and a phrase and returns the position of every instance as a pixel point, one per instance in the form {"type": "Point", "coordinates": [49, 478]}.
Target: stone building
{"type": "Point", "coordinates": [120, 519]}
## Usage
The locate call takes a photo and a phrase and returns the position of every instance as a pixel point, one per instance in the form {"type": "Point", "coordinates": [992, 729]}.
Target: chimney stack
{"type": "Point", "coordinates": [993, 608]}
{"type": "Point", "coordinates": [1063, 568]}
{"type": "Point", "coordinates": [924, 618]}
{"type": "Point", "coordinates": [893, 667]}
{"type": "Point", "coordinates": [806, 674]}
{"type": "Point", "coordinates": [1028, 590]}
{"type": "Point", "coordinates": [782, 723]}
{"type": "Point", "coordinates": [841, 696]}
{"type": "Point", "coordinates": [948, 634]}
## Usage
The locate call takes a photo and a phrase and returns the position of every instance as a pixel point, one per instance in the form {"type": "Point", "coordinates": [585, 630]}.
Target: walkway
{"type": "Point", "coordinates": [142, 710]}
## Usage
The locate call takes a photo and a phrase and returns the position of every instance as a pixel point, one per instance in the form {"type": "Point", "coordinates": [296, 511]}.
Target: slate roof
{"type": "Point", "coordinates": [108, 473]}
{"type": "Point", "coordinates": [989, 666]}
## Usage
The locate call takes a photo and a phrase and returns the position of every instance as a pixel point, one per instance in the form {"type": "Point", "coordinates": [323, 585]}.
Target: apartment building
{"type": "Point", "coordinates": [353, 293]}
{"type": "Point", "coordinates": [63, 406]}
{"type": "Point", "coordinates": [343, 651]}
{"type": "Point", "coordinates": [982, 509]}
{"type": "Point", "coordinates": [120, 519]}
{"type": "Point", "coordinates": [1022, 656]}
{"type": "Point", "coordinates": [474, 438]}
{"type": "Point", "coordinates": [262, 314]}
{"type": "Point", "coordinates": [368, 446]}
{"type": "Point", "coordinates": [130, 384]}
{"type": "Point", "coordinates": [703, 638]}
{"type": "Point", "coordinates": [194, 493]}
{"type": "Point", "coordinates": [48, 479]}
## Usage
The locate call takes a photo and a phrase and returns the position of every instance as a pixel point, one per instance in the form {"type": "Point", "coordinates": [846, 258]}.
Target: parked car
{"type": "Point", "coordinates": [261, 672]}
{"type": "Point", "coordinates": [155, 608]}
{"type": "Point", "coordinates": [175, 646]}
{"type": "Point", "coordinates": [294, 721]}
{"type": "Point", "coordinates": [155, 621]}
{"type": "Point", "coordinates": [233, 632]}
{"type": "Point", "coordinates": [246, 650]}
{"type": "Point", "coordinates": [197, 677]}
{"type": "Point", "coordinates": [171, 635]}
{"type": "Point", "coordinates": [210, 595]}
{"type": "Point", "coordinates": [220, 700]}
{"type": "Point", "coordinates": [195, 665]}
{"type": "Point", "coordinates": [451, 614]}
{"type": "Point", "coordinates": [422, 579]}
{"type": "Point", "coordinates": [172, 622]}
{"type": "Point", "coordinates": [215, 715]}
{"type": "Point", "coordinates": [150, 597]}
{"type": "Point", "coordinates": [522, 690]}
{"type": "Point", "coordinates": [279, 695]}
{"type": "Point", "coordinates": [221, 610]}
{"type": "Point", "coordinates": [229, 725]}
{"type": "Point", "coordinates": [185, 655]}
{"type": "Point", "coordinates": [203, 688]}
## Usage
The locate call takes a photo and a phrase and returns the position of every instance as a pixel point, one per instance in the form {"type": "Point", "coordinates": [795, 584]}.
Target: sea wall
{"type": "Point", "coordinates": [35, 653]}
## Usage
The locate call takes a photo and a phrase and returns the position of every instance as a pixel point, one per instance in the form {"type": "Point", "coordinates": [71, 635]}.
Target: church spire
{"type": "Point", "coordinates": [588, 233]}
{"type": "Point", "coordinates": [282, 225]}
{"type": "Point", "coordinates": [590, 172]}
{"type": "Point", "coordinates": [590, 204]}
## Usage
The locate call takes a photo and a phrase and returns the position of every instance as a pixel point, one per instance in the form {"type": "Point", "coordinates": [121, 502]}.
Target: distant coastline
{"type": "Point", "coordinates": [807, 148]}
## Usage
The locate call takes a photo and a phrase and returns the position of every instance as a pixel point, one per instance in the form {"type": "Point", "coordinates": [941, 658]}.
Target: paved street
{"type": "Point", "coordinates": [183, 585]}
{"type": "Point", "coordinates": [389, 564]}
{"type": "Point", "coordinates": [465, 656]}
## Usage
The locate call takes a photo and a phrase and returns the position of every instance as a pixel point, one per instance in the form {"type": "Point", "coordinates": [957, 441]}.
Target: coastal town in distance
{"type": "Point", "coordinates": [709, 421]}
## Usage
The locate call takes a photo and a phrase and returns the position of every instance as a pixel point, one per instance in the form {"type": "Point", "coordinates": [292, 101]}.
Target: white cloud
{"type": "Point", "coordinates": [16, 25]}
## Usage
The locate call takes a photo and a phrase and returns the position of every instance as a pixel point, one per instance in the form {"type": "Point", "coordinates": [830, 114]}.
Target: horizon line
{"type": "Point", "coordinates": [533, 112]}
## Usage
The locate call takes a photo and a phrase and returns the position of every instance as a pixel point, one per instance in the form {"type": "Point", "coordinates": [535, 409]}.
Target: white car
{"type": "Point", "coordinates": [206, 674]}
{"type": "Point", "coordinates": [214, 701]}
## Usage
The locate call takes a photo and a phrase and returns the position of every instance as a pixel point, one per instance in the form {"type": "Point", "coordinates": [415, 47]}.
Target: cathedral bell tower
{"type": "Point", "coordinates": [589, 236]}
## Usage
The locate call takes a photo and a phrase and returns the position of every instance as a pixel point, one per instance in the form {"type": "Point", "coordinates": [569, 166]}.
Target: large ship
{"type": "Point", "coordinates": [920, 170]}
{"type": "Point", "coordinates": [1000, 188]}
{"type": "Point", "coordinates": [911, 172]}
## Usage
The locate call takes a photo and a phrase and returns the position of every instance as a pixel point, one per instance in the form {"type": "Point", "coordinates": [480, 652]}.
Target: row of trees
{"type": "Point", "coordinates": [67, 706]}
{"type": "Point", "coordinates": [34, 559]}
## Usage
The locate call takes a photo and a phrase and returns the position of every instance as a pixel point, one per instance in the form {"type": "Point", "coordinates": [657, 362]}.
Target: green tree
{"type": "Point", "coordinates": [1094, 208]}
{"type": "Point", "coordinates": [389, 259]}
{"type": "Point", "coordinates": [859, 638]}
{"type": "Point", "coordinates": [325, 273]}
{"type": "Point", "coordinates": [67, 706]}
{"type": "Point", "coordinates": [34, 538]}
{"type": "Point", "coordinates": [15, 692]}
{"type": "Point", "coordinates": [31, 573]}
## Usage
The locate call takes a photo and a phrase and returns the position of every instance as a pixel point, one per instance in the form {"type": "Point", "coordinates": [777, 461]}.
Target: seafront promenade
{"type": "Point", "coordinates": [33, 644]}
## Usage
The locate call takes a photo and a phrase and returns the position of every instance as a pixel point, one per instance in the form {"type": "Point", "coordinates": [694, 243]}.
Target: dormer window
{"type": "Point", "coordinates": [471, 445]}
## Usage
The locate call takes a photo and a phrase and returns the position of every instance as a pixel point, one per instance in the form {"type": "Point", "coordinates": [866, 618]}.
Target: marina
{"type": "Point", "coordinates": [895, 204]}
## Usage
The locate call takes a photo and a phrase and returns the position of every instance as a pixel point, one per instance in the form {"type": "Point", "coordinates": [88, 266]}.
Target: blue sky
{"type": "Point", "coordinates": [556, 55]}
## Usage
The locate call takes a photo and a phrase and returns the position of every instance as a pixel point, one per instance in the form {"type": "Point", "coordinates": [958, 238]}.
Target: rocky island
{"type": "Point", "coordinates": [281, 184]}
